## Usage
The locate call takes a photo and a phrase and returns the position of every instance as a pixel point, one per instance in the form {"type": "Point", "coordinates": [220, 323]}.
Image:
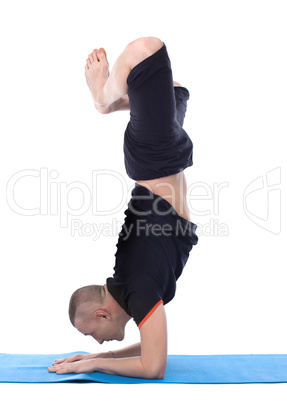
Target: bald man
{"type": "Point", "coordinates": [157, 235]}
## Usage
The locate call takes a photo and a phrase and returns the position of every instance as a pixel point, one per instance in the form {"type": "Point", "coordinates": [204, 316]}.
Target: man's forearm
{"type": "Point", "coordinates": [135, 366]}
{"type": "Point", "coordinates": [129, 351]}
{"type": "Point", "coordinates": [127, 367]}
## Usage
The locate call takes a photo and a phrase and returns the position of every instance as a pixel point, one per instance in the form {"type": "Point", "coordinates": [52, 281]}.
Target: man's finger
{"type": "Point", "coordinates": [52, 369]}
{"type": "Point", "coordinates": [67, 359]}
{"type": "Point", "coordinates": [65, 368]}
{"type": "Point", "coordinates": [60, 369]}
{"type": "Point", "coordinates": [59, 361]}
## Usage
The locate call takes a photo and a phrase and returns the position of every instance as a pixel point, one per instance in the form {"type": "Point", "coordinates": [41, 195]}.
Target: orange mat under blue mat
{"type": "Point", "coordinates": [181, 369]}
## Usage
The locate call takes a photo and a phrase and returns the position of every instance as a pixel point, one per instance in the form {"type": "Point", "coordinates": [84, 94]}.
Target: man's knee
{"type": "Point", "coordinates": [142, 48]}
{"type": "Point", "coordinates": [150, 44]}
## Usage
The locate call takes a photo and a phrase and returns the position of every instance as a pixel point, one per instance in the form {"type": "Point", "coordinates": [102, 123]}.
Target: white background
{"type": "Point", "coordinates": [231, 298]}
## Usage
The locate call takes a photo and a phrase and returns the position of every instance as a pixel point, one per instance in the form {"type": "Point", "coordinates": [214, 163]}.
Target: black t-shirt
{"type": "Point", "coordinates": [152, 250]}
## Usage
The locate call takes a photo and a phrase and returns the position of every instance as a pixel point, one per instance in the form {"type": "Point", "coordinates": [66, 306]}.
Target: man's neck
{"type": "Point", "coordinates": [115, 309]}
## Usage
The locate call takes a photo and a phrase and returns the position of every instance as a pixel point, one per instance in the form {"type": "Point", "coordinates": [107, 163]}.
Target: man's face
{"type": "Point", "coordinates": [97, 325]}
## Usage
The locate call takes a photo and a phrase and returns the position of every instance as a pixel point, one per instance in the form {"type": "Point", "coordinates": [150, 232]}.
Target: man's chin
{"type": "Point", "coordinates": [121, 337]}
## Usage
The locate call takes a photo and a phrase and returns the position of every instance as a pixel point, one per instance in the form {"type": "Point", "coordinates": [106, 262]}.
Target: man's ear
{"type": "Point", "coordinates": [101, 314]}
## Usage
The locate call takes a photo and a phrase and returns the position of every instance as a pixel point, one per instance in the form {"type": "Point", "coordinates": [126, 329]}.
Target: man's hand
{"type": "Point", "coordinates": [77, 358]}
{"type": "Point", "coordinates": [66, 363]}
{"type": "Point", "coordinates": [76, 366]}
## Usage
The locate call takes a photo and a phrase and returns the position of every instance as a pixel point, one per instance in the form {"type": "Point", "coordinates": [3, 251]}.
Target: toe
{"type": "Point", "coordinates": [103, 50]}
{"type": "Point", "coordinates": [101, 54]}
{"type": "Point", "coordinates": [95, 53]}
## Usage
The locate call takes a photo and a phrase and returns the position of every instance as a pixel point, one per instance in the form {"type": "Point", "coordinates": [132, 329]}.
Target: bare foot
{"type": "Point", "coordinates": [97, 73]}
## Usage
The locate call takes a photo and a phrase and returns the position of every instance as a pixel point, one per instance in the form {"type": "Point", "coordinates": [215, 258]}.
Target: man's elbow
{"type": "Point", "coordinates": [155, 373]}
{"type": "Point", "coordinates": [160, 375]}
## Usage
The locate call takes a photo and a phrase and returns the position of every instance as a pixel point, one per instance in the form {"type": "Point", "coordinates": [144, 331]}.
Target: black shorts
{"type": "Point", "coordinates": [155, 144]}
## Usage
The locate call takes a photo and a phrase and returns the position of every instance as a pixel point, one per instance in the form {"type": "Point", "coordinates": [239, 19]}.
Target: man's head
{"type": "Point", "coordinates": [93, 311]}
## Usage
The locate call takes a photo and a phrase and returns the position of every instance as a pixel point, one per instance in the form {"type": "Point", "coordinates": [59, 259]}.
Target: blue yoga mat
{"type": "Point", "coordinates": [198, 369]}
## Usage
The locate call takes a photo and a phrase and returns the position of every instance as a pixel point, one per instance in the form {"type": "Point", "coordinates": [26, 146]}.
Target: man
{"type": "Point", "coordinates": [157, 235]}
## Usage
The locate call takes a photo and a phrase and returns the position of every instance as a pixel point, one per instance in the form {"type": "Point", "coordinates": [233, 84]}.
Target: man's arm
{"type": "Point", "coordinates": [129, 351]}
{"type": "Point", "coordinates": [150, 364]}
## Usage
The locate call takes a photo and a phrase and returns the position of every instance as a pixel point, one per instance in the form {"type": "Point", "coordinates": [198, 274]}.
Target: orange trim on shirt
{"type": "Point", "coordinates": [149, 314]}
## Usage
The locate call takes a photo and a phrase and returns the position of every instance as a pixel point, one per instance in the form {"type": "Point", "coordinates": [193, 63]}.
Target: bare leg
{"type": "Point", "coordinates": [109, 90]}
{"type": "Point", "coordinates": [176, 84]}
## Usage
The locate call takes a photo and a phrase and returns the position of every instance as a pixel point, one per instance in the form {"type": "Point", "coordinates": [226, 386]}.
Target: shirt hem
{"type": "Point", "coordinates": [149, 314]}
